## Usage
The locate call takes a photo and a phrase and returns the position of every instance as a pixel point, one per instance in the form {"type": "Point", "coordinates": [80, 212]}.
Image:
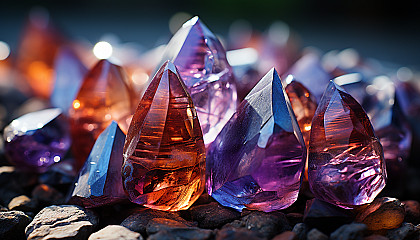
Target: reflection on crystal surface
{"type": "Point", "coordinates": [257, 160]}
{"type": "Point", "coordinates": [69, 73]}
{"type": "Point", "coordinates": [100, 181]}
{"type": "Point", "coordinates": [164, 153]}
{"type": "Point", "coordinates": [37, 140]}
{"type": "Point", "coordinates": [104, 96]}
{"type": "Point", "coordinates": [201, 61]}
{"type": "Point", "coordinates": [346, 165]}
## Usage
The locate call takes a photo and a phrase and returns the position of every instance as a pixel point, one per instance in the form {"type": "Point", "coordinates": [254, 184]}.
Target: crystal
{"type": "Point", "coordinates": [201, 61]}
{"type": "Point", "coordinates": [346, 163]}
{"type": "Point", "coordinates": [309, 71]}
{"type": "Point", "coordinates": [100, 181]}
{"type": "Point", "coordinates": [164, 153]}
{"type": "Point", "coordinates": [104, 96]}
{"type": "Point", "coordinates": [257, 160]}
{"type": "Point", "coordinates": [36, 140]}
{"type": "Point", "coordinates": [69, 73]}
{"type": "Point", "coordinates": [37, 50]}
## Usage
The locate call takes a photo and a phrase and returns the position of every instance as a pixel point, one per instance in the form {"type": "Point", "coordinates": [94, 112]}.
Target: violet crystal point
{"type": "Point", "coordinates": [164, 153]}
{"type": "Point", "coordinates": [69, 73]}
{"type": "Point", "coordinates": [36, 140]}
{"type": "Point", "coordinates": [100, 181]}
{"type": "Point", "coordinates": [202, 64]}
{"type": "Point", "coordinates": [346, 163]}
{"type": "Point", "coordinates": [257, 160]}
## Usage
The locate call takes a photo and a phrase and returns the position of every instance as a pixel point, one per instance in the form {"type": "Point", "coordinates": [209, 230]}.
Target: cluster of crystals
{"type": "Point", "coordinates": [256, 152]}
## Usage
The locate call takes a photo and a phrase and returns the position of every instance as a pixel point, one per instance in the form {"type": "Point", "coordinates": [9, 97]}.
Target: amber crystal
{"type": "Point", "coordinates": [37, 50]}
{"type": "Point", "coordinates": [104, 96]}
{"type": "Point", "coordinates": [346, 160]}
{"type": "Point", "coordinates": [164, 153]}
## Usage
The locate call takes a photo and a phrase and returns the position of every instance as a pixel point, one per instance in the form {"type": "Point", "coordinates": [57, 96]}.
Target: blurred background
{"type": "Point", "coordinates": [386, 30]}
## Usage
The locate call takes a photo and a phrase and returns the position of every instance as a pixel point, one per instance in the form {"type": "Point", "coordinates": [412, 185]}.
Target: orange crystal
{"type": "Point", "coordinates": [104, 96]}
{"type": "Point", "coordinates": [37, 50]}
{"type": "Point", "coordinates": [164, 153]}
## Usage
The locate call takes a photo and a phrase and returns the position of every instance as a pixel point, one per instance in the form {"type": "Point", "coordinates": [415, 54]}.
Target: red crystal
{"type": "Point", "coordinates": [346, 162]}
{"type": "Point", "coordinates": [104, 96]}
{"type": "Point", "coordinates": [164, 153]}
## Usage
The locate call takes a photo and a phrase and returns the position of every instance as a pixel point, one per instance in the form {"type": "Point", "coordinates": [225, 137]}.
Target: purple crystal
{"type": "Point", "coordinates": [201, 61]}
{"type": "Point", "coordinates": [346, 164]}
{"type": "Point", "coordinates": [69, 73]}
{"type": "Point", "coordinates": [257, 160]}
{"type": "Point", "coordinates": [36, 140]}
{"type": "Point", "coordinates": [100, 181]}
{"type": "Point", "coordinates": [311, 74]}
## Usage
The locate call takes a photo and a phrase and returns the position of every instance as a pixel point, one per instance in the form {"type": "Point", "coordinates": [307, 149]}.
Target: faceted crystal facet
{"type": "Point", "coordinates": [164, 153]}
{"type": "Point", "coordinates": [308, 70]}
{"type": "Point", "coordinates": [346, 163]}
{"type": "Point", "coordinates": [69, 73]}
{"type": "Point", "coordinates": [202, 63]}
{"type": "Point", "coordinates": [257, 160]}
{"type": "Point", "coordinates": [35, 141]}
{"type": "Point", "coordinates": [100, 181]}
{"type": "Point", "coordinates": [104, 96]}
{"type": "Point", "coordinates": [37, 50]}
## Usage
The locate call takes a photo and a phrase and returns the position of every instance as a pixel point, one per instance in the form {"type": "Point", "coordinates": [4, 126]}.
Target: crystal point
{"type": "Point", "coordinates": [164, 153]}
{"type": "Point", "coordinates": [100, 181]}
{"type": "Point", "coordinates": [202, 64]}
{"type": "Point", "coordinates": [257, 160]}
{"type": "Point", "coordinates": [36, 140]}
{"type": "Point", "coordinates": [69, 73]}
{"type": "Point", "coordinates": [104, 96]}
{"type": "Point", "coordinates": [346, 163]}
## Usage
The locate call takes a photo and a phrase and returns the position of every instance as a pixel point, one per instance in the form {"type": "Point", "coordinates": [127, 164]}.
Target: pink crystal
{"type": "Point", "coordinates": [346, 163]}
{"type": "Point", "coordinates": [201, 61]}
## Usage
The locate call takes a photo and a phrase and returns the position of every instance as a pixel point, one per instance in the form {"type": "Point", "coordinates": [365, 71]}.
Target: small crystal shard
{"type": "Point", "coordinates": [257, 160]}
{"type": "Point", "coordinates": [36, 140]}
{"type": "Point", "coordinates": [164, 153]}
{"type": "Point", "coordinates": [203, 66]}
{"type": "Point", "coordinates": [104, 96]}
{"type": "Point", "coordinates": [100, 181]}
{"type": "Point", "coordinates": [69, 73]}
{"type": "Point", "coordinates": [346, 163]}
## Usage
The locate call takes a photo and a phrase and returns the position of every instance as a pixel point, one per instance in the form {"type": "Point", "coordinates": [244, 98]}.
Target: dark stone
{"type": "Point", "coordinates": [315, 234]}
{"type": "Point", "coordinates": [22, 203]}
{"type": "Point", "coordinates": [267, 225]}
{"type": "Point", "coordinates": [13, 183]}
{"type": "Point", "coordinates": [13, 224]}
{"type": "Point", "coordinates": [412, 211]}
{"type": "Point", "coordinates": [139, 220]}
{"type": "Point", "coordinates": [182, 234]}
{"type": "Point", "coordinates": [113, 232]}
{"type": "Point", "coordinates": [213, 215]}
{"type": "Point", "coordinates": [382, 214]}
{"type": "Point", "coordinates": [325, 216]}
{"type": "Point", "coordinates": [294, 218]}
{"type": "Point", "coordinates": [46, 195]}
{"type": "Point", "coordinates": [159, 224]}
{"type": "Point", "coordinates": [62, 222]}
{"type": "Point", "coordinates": [237, 233]}
{"type": "Point", "coordinates": [288, 235]}
{"type": "Point", "coordinates": [204, 198]}
{"type": "Point", "coordinates": [300, 229]}
{"type": "Point", "coordinates": [354, 231]}
{"type": "Point", "coordinates": [60, 174]}
{"type": "Point", "coordinates": [407, 231]}
{"type": "Point", "coordinates": [375, 237]}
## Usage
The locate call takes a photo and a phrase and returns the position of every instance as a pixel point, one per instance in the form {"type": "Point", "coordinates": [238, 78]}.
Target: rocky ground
{"type": "Point", "coordinates": [34, 207]}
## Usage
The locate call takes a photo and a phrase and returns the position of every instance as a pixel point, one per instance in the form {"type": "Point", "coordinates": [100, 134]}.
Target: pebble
{"type": "Point", "coordinates": [412, 210]}
{"type": "Point", "coordinates": [213, 215]}
{"type": "Point", "coordinates": [300, 229]}
{"type": "Point", "coordinates": [22, 203]}
{"type": "Point", "coordinates": [354, 231]}
{"type": "Point", "coordinates": [182, 234]}
{"type": "Point", "coordinates": [315, 234]}
{"type": "Point", "coordinates": [237, 233]}
{"type": "Point", "coordinates": [13, 224]}
{"type": "Point", "coordinates": [114, 232]}
{"type": "Point", "coordinates": [159, 224]}
{"type": "Point", "coordinates": [288, 235]}
{"type": "Point", "coordinates": [406, 231]}
{"type": "Point", "coordinates": [383, 213]}
{"type": "Point", "coordinates": [62, 222]}
{"type": "Point", "coordinates": [46, 195]}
